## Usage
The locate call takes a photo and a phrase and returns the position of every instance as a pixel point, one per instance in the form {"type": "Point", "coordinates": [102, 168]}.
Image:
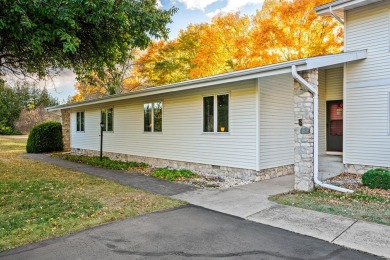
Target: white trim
{"type": "Point", "coordinates": [388, 115]}
{"type": "Point", "coordinates": [258, 72]}
{"type": "Point", "coordinates": [152, 117]}
{"type": "Point", "coordinates": [342, 5]}
{"type": "Point", "coordinates": [334, 153]}
{"type": "Point", "coordinates": [345, 108]}
{"type": "Point", "coordinates": [77, 123]}
{"type": "Point", "coordinates": [258, 125]}
{"type": "Point", "coordinates": [215, 113]}
{"type": "Point", "coordinates": [369, 83]}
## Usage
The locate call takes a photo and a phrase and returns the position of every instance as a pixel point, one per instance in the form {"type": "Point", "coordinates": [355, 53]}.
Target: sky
{"type": "Point", "coordinates": [190, 12]}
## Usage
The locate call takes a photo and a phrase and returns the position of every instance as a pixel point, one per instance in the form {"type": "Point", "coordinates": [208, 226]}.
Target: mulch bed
{"type": "Point", "coordinates": [354, 182]}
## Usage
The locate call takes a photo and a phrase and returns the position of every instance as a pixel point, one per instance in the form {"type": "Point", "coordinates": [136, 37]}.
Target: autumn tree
{"type": "Point", "coordinates": [292, 30]}
{"type": "Point", "coordinates": [37, 37]}
{"type": "Point", "coordinates": [223, 46]}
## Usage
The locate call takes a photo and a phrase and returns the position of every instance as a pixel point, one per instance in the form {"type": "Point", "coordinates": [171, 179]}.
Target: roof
{"type": "Point", "coordinates": [258, 72]}
{"type": "Point", "coordinates": [340, 6]}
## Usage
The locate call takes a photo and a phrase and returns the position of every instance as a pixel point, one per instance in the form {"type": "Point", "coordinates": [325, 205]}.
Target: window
{"type": "Point", "coordinates": [153, 117]}
{"type": "Point", "coordinates": [80, 122]}
{"type": "Point", "coordinates": [216, 113]}
{"type": "Point", "coordinates": [107, 117]}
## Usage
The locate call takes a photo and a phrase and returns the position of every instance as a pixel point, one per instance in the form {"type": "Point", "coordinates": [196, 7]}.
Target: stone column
{"type": "Point", "coordinates": [304, 133]}
{"type": "Point", "coordinates": [65, 120]}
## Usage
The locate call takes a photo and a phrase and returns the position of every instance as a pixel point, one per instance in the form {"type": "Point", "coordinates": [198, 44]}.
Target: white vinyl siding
{"type": "Point", "coordinates": [276, 121]}
{"type": "Point", "coordinates": [322, 112]}
{"type": "Point", "coordinates": [182, 138]}
{"type": "Point", "coordinates": [368, 27]}
{"type": "Point", "coordinates": [366, 135]}
{"type": "Point", "coordinates": [334, 84]}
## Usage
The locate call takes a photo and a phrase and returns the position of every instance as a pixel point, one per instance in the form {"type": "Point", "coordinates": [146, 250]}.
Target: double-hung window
{"type": "Point", "coordinates": [216, 113]}
{"type": "Point", "coordinates": [153, 113]}
{"type": "Point", "coordinates": [80, 122]}
{"type": "Point", "coordinates": [107, 118]}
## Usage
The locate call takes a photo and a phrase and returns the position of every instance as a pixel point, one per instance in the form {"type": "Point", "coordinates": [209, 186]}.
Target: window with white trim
{"type": "Point", "coordinates": [216, 113]}
{"type": "Point", "coordinates": [153, 114]}
{"type": "Point", "coordinates": [80, 122]}
{"type": "Point", "coordinates": [107, 118]}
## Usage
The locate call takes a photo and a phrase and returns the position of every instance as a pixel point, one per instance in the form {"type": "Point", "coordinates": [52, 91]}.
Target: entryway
{"type": "Point", "coordinates": [334, 126]}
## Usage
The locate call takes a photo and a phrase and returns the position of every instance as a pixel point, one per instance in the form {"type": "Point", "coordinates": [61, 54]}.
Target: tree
{"type": "Point", "coordinates": [91, 35]}
{"type": "Point", "coordinates": [28, 118]}
{"type": "Point", "coordinates": [289, 30]}
{"type": "Point", "coordinates": [9, 105]}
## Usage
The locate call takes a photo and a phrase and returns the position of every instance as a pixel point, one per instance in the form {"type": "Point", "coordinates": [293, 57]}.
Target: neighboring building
{"type": "Point", "coordinates": [258, 123]}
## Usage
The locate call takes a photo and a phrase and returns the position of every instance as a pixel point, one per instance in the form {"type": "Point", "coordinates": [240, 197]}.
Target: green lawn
{"type": "Point", "coordinates": [364, 204]}
{"type": "Point", "coordinates": [40, 201]}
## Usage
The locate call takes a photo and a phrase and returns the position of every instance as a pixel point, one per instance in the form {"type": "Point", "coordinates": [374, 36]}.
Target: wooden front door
{"type": "Point", "coordinates": [334, 135]}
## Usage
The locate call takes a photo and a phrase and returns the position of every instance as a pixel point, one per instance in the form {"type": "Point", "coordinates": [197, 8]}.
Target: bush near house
{"type": "Point", "coordinates": [173, 175]}
{"type": "Point", "coordinates": [377, 178]}
{"type": "Point", "coordinates": [45, 137]}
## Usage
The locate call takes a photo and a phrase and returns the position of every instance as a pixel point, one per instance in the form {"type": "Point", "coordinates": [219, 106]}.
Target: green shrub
{"type": "Point", "coordinates": [377, 178]}
{"type": "Point", "coordinates": [7, 130]}
{"type": "Point", "coordinates": [104, 163]}
{"type": "Point", "coordinates": [45, 137]}
{"type": "Point", "coordinates": [173, 174]}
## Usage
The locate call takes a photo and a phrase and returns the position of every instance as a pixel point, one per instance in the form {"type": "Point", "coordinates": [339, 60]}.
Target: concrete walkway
{"type": "Point", "coordinates": [251, 202]}
{"type": "Point", "coordinates": [330, 166]}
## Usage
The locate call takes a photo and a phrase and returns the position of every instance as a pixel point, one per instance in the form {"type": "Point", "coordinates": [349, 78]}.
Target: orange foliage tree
{"type": "Point", "coordinates": [282, 30]}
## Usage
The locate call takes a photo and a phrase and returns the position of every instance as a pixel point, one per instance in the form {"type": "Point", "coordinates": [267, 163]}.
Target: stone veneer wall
{"type": "Point", "coordinates": [360, 169]}
{"type": "Point", "coordinates": [65, 121]}
{"type": "Point", "coordinates": [304, 135]}
{"type": "Point", "coordinates": [204, 169]}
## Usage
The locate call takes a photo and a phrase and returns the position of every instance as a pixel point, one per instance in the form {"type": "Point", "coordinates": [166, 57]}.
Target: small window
{"type": "Point", "coordinates": [80, 122]}
{"type": "Point", "coordinates": [107, 118]}
{"type": "Point", "coordinates": [216, 113]}
{"type": "Point", "coordinates": [153, 113]}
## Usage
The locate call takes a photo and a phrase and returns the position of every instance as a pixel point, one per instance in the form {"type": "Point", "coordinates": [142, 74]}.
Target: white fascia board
{"type": "Point", "coordinates": [330, 60]}
{"type": "Point", "coordinates": [342, 5]}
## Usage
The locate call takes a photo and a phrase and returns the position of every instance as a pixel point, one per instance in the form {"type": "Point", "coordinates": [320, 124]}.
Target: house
{"type": "Point", "coordinates": [258, 123]}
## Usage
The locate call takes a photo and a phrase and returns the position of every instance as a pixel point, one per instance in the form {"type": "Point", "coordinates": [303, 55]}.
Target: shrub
{"type": "Point", "coordinates": [173, 174]}
{"type": "Point", "coordinates": [377, 178]}
{"type": "Point", "coordinates": [45, 137]}
{"type": "Point", "coordinates": [7, 130]}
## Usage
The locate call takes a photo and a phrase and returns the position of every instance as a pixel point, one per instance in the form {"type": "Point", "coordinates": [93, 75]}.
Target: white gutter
{"type": "Point", "coordinates": [335, 15]}
{"type": "Point", "coordinates": [314, 91]}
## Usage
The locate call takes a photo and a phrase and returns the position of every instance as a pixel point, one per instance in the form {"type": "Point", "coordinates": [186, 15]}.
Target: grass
{"type": "Point", "coordinates": [162, 173]}
{"type": "Point", "coordinates": [363, 204]}
{"type": "Point", "coordinates": [40, 201]}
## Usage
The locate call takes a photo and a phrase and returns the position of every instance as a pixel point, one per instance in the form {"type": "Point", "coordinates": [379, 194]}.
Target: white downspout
{"type": "Point", "coordinates": [314, 91]}
{"type": "Point", "coordinates": [335, 15]}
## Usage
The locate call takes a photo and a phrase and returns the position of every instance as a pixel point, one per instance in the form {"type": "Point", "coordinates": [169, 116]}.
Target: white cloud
{"type": "Point", "coordinates": [231, 6]}
{"type": "Point", "coordinates": [197, 4]}
{"type": "Point", "coordinates": [159, 4]}
{"type": "Point", "coordinates": [234, 6]}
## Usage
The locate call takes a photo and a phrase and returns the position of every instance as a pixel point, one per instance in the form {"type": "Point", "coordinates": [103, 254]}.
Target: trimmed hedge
{"type": "Point", "coordinates": [45, 137]}
{"type": "Point", "coordinates": [377, 178]}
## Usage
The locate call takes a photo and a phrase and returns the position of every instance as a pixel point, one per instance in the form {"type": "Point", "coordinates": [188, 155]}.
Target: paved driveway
{"type": "Point", "coordinates": [189, 232]}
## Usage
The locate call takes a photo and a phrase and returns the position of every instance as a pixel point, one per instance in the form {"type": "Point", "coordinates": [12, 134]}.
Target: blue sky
{"type": "Point", "coordinates": [190, 11]}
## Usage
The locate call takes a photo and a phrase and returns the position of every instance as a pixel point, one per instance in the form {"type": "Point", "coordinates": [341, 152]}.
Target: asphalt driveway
{"type": "Point", "coordinates": [188, 232]}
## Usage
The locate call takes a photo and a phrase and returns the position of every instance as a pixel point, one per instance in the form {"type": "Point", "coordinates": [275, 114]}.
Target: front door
{"type": "Point", "coordinates": [334, 131]}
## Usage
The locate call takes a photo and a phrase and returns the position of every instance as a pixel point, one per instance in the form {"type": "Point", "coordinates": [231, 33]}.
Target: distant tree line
{"type": "Point", "coordinates": [22, 106]}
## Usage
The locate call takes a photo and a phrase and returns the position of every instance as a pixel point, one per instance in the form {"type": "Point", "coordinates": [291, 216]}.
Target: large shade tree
{"type": "Point", "coordinates": [38, 36]}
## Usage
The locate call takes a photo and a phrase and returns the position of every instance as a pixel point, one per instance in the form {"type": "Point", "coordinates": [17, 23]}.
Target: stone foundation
{"type": "Point", "coordinates": [203, 169]}
{"type": "Point", "coordinates": [65, 121]}
{"type": "Point", "coordinates": [360, 169]}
